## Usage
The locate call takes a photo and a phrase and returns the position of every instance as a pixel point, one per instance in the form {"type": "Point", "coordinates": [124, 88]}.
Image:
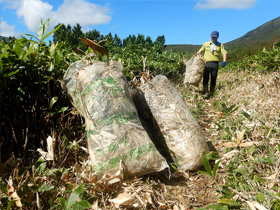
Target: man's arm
{"type": "Point", "coordinates": [225, 57]}
{"type": "Point", "coordinates": [224, 60]}
{"type": "Point", "coordinates": [201, 50]}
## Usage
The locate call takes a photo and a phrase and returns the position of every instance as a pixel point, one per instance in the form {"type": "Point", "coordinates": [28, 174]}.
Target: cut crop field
{"type": "Point", "coordinates": [242, 123]}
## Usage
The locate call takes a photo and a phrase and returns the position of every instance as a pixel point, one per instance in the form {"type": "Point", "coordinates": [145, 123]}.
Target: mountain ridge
{"type": "Point", "coordinates": [271, 27]}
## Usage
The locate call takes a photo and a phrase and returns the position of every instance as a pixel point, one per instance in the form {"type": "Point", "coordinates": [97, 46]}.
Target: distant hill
{"type": "Point", "coordinates": [5, 38]}
{"type": "Point", "coordinates": [268, 32]}
{"type": "Point", "coordinates": [263, 36]}
{"type": "Point", "coordinates": [189, 49]}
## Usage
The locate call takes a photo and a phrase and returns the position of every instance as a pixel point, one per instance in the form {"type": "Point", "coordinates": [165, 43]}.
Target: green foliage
{"type": "Point", "coordinates": [229, 125]}
{"type": "Point", "coordinates": [198, 109]}
{"type": "Point", "coordinates": [277, 45]}
{"type": "Point", "coordinates": [264, 61]}
{"type": "Point", "coordinates": [136, 59]}
{"type": "Point", "coordinates": [228, 110]}
{"type": "Point", "coordinates": [209, 172]}
{"type": "Point", "coordinates": [215, 207]}
{"type": "Point", "coordinates": [224, 204]}
{"type": "Point", "coordinates": [70, 36]}
{"type": "Point", "coordinates": [29, 88]}
{"type": "Point", "coordinates": [131, 52]}
{"type": "Point", "coordinates": [72, 203]}
{"type": "Point", "coordinates": [187, 49]}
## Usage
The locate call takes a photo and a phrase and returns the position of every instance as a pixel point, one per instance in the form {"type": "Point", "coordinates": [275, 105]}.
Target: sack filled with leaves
{"type": "Point", "coordinates": [100, 93]}
{"type": "Point", "coordinates": [194, 70]}
{"type": "Point", "coordinates": [160, 104]}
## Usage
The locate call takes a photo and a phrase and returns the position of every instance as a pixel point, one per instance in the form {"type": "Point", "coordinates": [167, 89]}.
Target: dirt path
{"type": "Point", "coordinates": [258, 96]}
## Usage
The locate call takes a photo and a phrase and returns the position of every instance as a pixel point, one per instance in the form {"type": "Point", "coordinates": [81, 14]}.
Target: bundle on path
{"type": "Point", "coordinates": [194, 70]}
{"type": "Point", "coordinates": [159, 103]}
{"type": "Point", "coordinates": [100, 93]}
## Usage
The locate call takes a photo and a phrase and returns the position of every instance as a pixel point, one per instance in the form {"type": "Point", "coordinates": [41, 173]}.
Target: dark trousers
{"type": "Point", "coordinates": [210, 68]}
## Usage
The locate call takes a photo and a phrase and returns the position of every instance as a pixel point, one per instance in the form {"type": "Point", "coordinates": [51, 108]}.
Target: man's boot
{"type": "Point", "coordinates": [207, 95]}
{"type": "Point", "coordinates": [212, 91]}
{"type": "Point", "coordinates": [204, 90]}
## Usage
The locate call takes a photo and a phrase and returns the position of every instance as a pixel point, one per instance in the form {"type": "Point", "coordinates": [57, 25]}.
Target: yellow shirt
{"type": "Point", "coordinates": [212, 56]}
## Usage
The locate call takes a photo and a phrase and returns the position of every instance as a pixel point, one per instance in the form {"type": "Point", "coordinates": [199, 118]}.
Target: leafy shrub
{"type": "Point", "coordinates": [264, 61]}
{"type": "Point", "coordinates": [29, 80]}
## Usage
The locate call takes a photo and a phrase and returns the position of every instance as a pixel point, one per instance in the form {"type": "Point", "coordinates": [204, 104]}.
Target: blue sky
{"type": "Point", "coordinates": [180, 21]}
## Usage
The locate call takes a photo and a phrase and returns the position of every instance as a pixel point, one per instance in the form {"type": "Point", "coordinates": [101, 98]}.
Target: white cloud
{"type": "Point", "coordinates": [8, 30]}
{"type": "Point", "coordinates": [231, 4]}
{"type": "Point", "coordinates": [82, 12]}
{"type": "Point", "coordinates": [32, 12]}
{"type": "Point", "coordinates": [69, 12]}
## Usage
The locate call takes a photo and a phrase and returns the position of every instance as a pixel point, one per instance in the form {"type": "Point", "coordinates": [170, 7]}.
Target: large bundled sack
{"type": "Point", "coordinates": [114, 131]}
{"type": "Point", "coordinates": [194, 70]}
{"type": "Point", "coordinates": [180, 130]}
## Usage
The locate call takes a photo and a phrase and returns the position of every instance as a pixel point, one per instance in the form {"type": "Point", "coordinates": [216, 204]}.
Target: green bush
{"type": "Point", "coordinates": [29, 83]}
{"type": "Point", "coordinates": [264, 61]}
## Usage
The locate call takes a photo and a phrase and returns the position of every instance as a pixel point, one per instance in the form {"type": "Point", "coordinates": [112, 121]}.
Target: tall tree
{"type": "Point", "coordinates": [76, 34]}
{"type": "Point", "coordinates": [109, 37]}
{"type": "Point", "coordinates": [159, 43]}
{"type": "Point", "coordinates": [117, 41]}
{"type": "Point", "coordinates": [140, 39]}
{"type": "Point", "coordinates": [148, 42]}
{"type": "Point", "coordinates": [60, 33]}
{"type": "Point", "coordinates": [77, 30]}
{"type": "Point", "coordinates": [93, 35]}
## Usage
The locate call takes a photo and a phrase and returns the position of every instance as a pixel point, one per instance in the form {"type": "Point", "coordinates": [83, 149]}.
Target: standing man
{"type": "Point", "coordinates": [212, 51]}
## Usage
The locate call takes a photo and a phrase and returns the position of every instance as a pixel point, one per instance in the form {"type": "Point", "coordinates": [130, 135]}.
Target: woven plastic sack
{"type": "Point", "coordinates": [194, 70]}
{"type": "Point", "coordinates": [180, 129]}
{"type": "Point", "coordinates": [114, 131]}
